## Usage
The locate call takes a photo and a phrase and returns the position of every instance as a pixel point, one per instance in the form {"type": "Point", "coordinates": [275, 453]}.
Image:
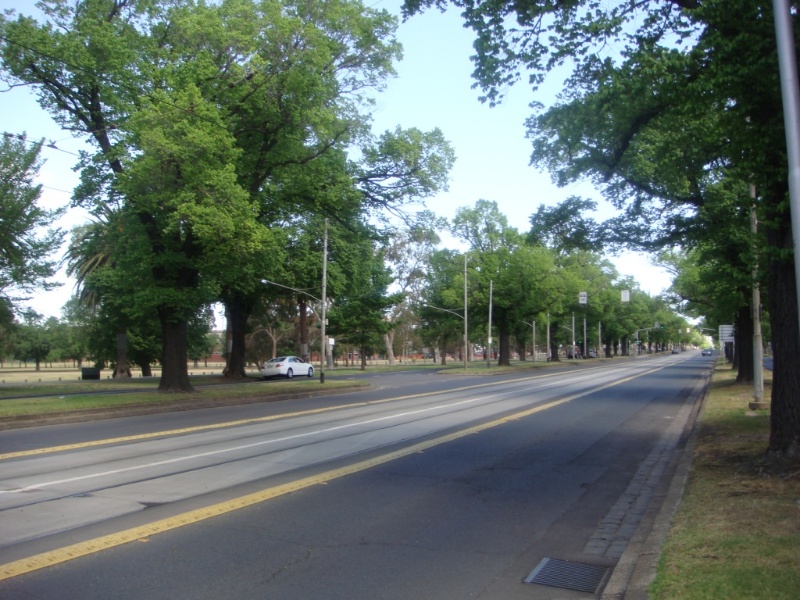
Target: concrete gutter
{"type": "Point", "coordinates": [636, 568]}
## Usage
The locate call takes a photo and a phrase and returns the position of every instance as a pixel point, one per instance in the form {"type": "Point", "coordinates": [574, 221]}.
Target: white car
{"type": "Point", "coordinates": [287, 366]}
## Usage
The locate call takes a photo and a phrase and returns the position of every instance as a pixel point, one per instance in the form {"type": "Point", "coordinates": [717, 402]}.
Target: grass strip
{"type": "Point", "coordinates": [49, 405]}
{"type": "Point", "coordinates": [736, 534]}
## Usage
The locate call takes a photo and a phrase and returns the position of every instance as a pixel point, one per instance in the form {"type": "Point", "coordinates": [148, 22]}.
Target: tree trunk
{"type": "Point", "coordinates": [122, 369]}
{"type": "Point", "coordinates": [388, 340]}
{"type": "Point", "coordinates": [553, 350]}
{"type": "Point", "coordinates": [521, 348]}
{"type": "Point", "coordinates": [237, 310]}
{"type": "Point", "coordinates": [504, 358]}
{"type": "Point", "coordinates": [175, 365]}
{"type": "Point", "coordinates": [784, 440]}
{"type": "Point", "coordinates": [363, 358]}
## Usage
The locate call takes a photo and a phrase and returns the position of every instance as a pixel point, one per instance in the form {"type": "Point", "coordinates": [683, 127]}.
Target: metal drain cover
{"type": "Point", "coordinates": [568, 575]}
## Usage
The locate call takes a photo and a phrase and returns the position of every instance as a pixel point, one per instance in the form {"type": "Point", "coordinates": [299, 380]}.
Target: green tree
{"type": "Point", "coordinates": [186, 204]}
{"type": "Point", "coordinates": [690, 98]}
{"type": "Point", "coordinates": [80, 61]}
{"type": "Point", "coordinates": [78, 317]}
{"type": "Point", "coordinates": [27, 238]}
{"type": "Point", "coordinates": [90, 254]}
{"type": "Point", "coordinates": [199, 343]}
{"type": "Point", "coordinates": [564, 227]}
{"type": "Point", "coordinates": [33, 339]}
{"type": "Point", "coordinates": [511, 279]}
{"type": "Point", "coordinates": [358, 316]}
{"type": "Point", "coordinates": [440, 307]}
{"type": "Point", "coordinates": [408, 255]}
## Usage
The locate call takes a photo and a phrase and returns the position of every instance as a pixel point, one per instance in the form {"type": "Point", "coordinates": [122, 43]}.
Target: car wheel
{"type": "Point", "coordinates": [310, 371]}
{"type": "Point", "coordinates": [289, 374]}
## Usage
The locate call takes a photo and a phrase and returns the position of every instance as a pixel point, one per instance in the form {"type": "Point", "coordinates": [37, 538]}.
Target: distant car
{"type": "Point", "coordinates": [676, 351]}
{"type": "Point", "coordinates": [707, 352]}
{"type": "Point", "coordinates": [286, 366]}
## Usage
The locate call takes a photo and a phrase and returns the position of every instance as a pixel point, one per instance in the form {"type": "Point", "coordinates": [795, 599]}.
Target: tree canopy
{"type": "Point", "coordinates": [28, 238]}
{"type": "Point", "coordinates": [672, 109]}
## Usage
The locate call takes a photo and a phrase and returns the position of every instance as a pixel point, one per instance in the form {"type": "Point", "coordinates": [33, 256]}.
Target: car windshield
{"type": "Point", "coordinates": [277, 360]}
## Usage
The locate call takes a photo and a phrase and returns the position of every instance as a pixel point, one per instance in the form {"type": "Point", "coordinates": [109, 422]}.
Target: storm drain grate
{"type": "Point", "coordinates": [568, 575]}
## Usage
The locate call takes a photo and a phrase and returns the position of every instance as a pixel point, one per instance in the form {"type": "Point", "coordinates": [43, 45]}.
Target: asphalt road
{"type": "Point", "coordinates": [426, 486]}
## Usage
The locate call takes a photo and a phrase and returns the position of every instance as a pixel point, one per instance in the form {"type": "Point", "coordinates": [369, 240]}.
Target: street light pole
{"type": "Point", "coordinates": [548, 337]}
{"type": "Point", "coordinates": [466, 338]}
{"type": "Point", "coordinates": [324, 340]}
{"type": "Point", "coordinates": [489, 345]}
{"type": "Point", "coordinates": [790, 95]}
{"type": "Point", "coordinates": [585, 341]}
{"type": "Point", "coordinates": [573, 334]}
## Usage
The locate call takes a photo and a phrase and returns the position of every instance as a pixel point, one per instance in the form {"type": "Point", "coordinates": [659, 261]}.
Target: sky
{"type": "Point", "coordinates": [433, 88]}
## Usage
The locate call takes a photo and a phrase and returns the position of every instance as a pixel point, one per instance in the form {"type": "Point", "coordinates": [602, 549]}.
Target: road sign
{"type": "Point", "coordinates": [726, 333]}
{"type": "Point", "coordinates": [626, 295]}
{"type": "Point", "coordinates": [582, 297]}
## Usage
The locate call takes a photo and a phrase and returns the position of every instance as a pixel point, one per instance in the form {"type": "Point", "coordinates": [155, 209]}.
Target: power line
{"type": "Point", "coordinates": [25, 140]}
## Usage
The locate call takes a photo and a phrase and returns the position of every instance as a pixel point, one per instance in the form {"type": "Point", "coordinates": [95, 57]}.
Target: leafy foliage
{"type": "Point", "coordinates": [27, 238]}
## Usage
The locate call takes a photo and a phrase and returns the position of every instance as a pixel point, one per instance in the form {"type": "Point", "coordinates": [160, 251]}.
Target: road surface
{"type": "Point", "coordinates": [426, 486]}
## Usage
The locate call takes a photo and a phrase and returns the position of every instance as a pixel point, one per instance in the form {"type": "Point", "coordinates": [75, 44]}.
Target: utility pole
{"type": "Point", "coordinates": [790, 92]}
{"type": "Point", "coordinates": [324, 340]}
{"type": "Point", "coordinates": [599, 338]}
{"type": "Point", "coordinates": [585, 341]}
{"type": "Point", "coordinates": [573, 334]}
{"type": "Point", "coordinates": [758, 346]}
{"type": "Point", "coordinates": [489, 345]}
{"type": "Point", "coordinates": [466, 339]}
{"type": "Point", "coordinates": [548, 337]}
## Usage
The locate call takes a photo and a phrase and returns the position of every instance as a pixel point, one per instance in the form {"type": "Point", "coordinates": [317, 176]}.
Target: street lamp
{"type": "Point", "coordinates": [268, 282]}
{"type": "Point", "coordinates": [324, 340]}
{"type": "Point", "coordinates": [464, 317]}
{"type": "Point", "coordinates": [489, 345]}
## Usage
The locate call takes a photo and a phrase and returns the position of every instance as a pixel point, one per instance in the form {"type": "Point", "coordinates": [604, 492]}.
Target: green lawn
{"type": "Point", "coordinates": [736, 534]}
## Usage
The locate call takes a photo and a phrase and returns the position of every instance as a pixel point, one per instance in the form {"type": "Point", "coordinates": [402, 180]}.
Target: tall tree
{"type": "Point", "coordinates": [408, 255]}
{"type": "Point", "coordinates": [690, 97]}
{"type": "Point", "coordinates": [358, 317]}
{"type": "Point", "coordinates": [27, 236]}
{"type": "Point", "coordinates": [510, 279]}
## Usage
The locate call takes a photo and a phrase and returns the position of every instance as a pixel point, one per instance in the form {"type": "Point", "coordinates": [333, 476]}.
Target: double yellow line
{"type": "Point", "coordinates": [143, 532]}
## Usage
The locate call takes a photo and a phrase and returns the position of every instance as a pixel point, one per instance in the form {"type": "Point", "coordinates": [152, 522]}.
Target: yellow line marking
{"type": "Point", "coordinates": [143, 532]}
{"type": "Point", "coordinates": [198, 428]}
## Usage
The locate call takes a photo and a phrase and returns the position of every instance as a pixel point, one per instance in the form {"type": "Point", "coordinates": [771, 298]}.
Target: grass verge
{"type": "Point", "coordinates": [113, 396]}
{"type": "Point", "coordinates": [736, 534]}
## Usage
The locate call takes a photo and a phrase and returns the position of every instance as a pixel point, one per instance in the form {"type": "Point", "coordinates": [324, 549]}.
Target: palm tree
{"type": "Point", "coordinates": [90, 251]}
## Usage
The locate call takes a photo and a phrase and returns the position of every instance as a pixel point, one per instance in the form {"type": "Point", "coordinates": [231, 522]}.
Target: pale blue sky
{"type": "Point", "coordinates": [433, 89]}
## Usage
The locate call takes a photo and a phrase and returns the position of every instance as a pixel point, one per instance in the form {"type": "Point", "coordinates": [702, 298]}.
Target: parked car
{"type": "Point", "coordinates": [707, 352]}
{"type": "Point", "coordinates": [286, 366]}
{"type": "Point", "coordinates": [676, 351]}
